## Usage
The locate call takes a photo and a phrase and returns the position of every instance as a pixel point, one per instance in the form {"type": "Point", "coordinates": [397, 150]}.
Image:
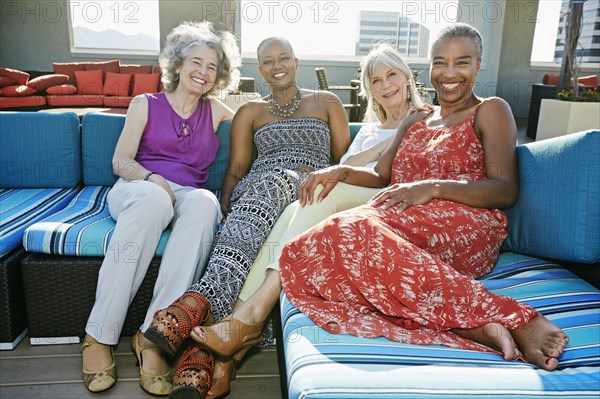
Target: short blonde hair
{"type": "Point", "coordinates": [189, 34]}
{"type": "Point", "coordinates": [386, 55]}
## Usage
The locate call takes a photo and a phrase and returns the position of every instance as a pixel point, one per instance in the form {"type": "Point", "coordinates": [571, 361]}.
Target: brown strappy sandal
{"type": "Point", "coordinates": [193, 377]}
{"type": "Point", "coordinates": [169, 329]}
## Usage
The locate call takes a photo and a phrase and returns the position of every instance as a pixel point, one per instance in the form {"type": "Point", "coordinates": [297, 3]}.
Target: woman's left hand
{"type": "Point", "coordinates": [404, 195]}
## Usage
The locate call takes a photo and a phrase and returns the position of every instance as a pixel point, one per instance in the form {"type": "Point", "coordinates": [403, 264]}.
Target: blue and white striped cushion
{"type": "Point", "coordinates": [322, 365]}
{"type": "Point", "coordinates": [20, 208]}
{"type": "Point", "coordinates": [83, 228]}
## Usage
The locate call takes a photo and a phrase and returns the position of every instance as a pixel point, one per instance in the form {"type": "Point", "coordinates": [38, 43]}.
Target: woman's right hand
{"type": "Point", "coordinates": [428, 108]}
{"type": "Point", "coordinates": [328, 177]}
{"type": "Point", "coordinates": [162, 182]}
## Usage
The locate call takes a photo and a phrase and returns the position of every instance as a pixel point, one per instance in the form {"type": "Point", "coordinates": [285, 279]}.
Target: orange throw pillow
{"type": "Point", "coordinates": [145, 83]}
{"type": "Point", "coordinates": [116, 84]}
{"type": "Point", "coordinates": [105, 66]}
{"type": "Point", "coordinates": [61, 90]}
{"type": "Point", "coordinates": [131, 69]}
{"type": "Point", "coordinates": [68, 68]}
{"type": "Point", "coordinates": [20, 77]}
{"type": "Point", "coordinates": [588, 81]}
{"type": "Point", "coordinates": [89, 82]}
{"type": "Point", "coordinates": [16, 91]}
{"type": "Point", "coordinates": [41, 83]}
{"type": "Point", "coordinates": [6, 81]}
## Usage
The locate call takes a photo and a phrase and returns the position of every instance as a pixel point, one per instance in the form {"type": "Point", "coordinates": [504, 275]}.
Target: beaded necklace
{"type": "Point", "coordinates": [286, 110]}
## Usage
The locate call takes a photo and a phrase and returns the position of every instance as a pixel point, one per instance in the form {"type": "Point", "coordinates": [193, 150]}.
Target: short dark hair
{"type": "Point", "coordinates": [460, 30]}
{"type": "Point", "coordinates": [285, 41]}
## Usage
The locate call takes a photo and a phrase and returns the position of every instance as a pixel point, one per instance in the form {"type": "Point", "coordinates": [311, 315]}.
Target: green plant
{"type": "Point", "coordinates": [585, 95]}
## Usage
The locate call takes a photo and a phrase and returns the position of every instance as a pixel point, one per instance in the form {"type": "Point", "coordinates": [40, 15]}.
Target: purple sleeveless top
{"type": "Point", "coordinates": [165, 149]}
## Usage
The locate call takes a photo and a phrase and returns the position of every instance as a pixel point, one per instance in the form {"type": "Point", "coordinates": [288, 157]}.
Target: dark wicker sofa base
{"type": "Point", "coordinates": [12, 299]}
{"type": "Point", "coordinates": [60, 292]}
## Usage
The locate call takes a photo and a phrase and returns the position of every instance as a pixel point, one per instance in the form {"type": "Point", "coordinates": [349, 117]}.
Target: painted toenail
{"type": "Point", "coordinates": [547, 361]}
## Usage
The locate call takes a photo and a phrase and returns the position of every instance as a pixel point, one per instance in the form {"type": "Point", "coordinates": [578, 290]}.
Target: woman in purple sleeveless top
{"type": "Point", "coordinates": [162, 158]}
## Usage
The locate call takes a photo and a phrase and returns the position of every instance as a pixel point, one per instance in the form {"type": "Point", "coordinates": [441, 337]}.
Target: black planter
{"type": "Point", "coordinates": [538, 93]}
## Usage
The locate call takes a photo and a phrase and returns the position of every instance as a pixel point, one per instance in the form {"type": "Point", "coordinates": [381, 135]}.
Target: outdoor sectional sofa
{"type": "Point", "coordinates": [107, 84]}
{"type": "Point", "coordinates": [554, 224]}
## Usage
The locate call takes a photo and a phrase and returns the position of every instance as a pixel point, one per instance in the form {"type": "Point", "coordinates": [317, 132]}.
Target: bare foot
{"type": "Point", "coordinates": [541, 342]}
{"type": "Point", "coordinates": [494, 335]}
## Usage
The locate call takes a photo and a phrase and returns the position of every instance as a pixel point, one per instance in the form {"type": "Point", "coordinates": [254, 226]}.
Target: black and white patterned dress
{"type": "Point", "coordinates": [287, 150]}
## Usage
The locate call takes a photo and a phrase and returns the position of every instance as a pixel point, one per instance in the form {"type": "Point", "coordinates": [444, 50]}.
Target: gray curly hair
{"type": "Point", "coordinates": [189, 34]}
{"type": "Point", "coordinates": [384, 54]}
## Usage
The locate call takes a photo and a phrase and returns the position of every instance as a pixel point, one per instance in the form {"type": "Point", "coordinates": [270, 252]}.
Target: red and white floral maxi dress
{"type": "Point", "coordinates": [407, 276]}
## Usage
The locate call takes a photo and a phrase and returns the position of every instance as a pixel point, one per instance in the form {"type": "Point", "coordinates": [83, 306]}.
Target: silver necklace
{"type": "Point", "coordinates": [286, 110]}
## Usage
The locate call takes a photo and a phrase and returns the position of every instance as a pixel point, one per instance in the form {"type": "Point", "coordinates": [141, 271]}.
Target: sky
{"type": "Point", "coordinates": [546, 29]}
{"type": "Point", "coordinates": [311, 25]}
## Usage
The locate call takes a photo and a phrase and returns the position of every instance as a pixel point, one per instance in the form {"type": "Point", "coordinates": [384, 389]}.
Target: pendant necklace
{"type": "Point", "coordinates": [286, 110]}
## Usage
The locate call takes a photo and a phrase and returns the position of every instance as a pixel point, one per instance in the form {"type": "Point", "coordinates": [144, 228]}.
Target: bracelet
{"type": "Point", "coordinates": [148, 176]}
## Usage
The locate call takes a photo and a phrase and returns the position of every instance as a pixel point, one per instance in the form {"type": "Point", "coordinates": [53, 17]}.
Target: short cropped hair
{"type": "Point", "coordinates": [281, 39]}
{"type": "Point", "coordinates": [189, 34]}
{"type": "Point", "coordinates": [389, 56]}
{"type": "Point", "coordinates": [460, 30]}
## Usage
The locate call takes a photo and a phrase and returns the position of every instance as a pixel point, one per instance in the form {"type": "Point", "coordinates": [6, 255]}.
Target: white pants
{"type": "Point", "coordinates": [143, 210]}
{"type": "Point", "coordinates": [295, 220]}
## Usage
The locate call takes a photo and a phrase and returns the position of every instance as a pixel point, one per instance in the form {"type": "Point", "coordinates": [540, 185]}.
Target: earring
{"type": "Point", "coordinates": [408, 96]}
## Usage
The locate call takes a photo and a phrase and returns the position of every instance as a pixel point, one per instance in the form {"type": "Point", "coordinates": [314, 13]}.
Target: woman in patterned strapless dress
{"type": "Point", "coordinates": [403, 266]}
{"type": "Point", "coordinates": [304, 134]}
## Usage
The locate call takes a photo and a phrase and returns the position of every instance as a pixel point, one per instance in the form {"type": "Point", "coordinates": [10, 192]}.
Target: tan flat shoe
{"type": "Point", "coordinates": [158, 385]}
{"type": "Point", "coordinates": [98, 381]}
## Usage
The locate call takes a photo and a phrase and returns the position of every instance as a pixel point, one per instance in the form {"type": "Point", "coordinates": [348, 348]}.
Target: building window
{"type": "Point", "coordinates": [548, 41]}
{"type": "Point", "coordinates": [115, 26]}
{"type": "Point", "coordinates": [341, 27]}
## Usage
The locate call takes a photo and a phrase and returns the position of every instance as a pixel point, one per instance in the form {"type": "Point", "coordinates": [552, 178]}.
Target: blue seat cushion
{"type": "Point", "coordinates": [100, 133]}
{"type": "Point", "coordinates": [19, 208]}
{"type": "Point", "coordinates": [83, 228]}
{"type": "Point", "coordinates": [40, 150]}
{"type": "Point", "coordinates": [558, 211]}
{"type": "Point", "coordinates": [323, 365]}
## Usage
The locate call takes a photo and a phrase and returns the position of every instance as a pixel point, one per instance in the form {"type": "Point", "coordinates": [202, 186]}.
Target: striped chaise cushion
{"type": "Point", "coordinates": [83, 228]}
{"type": "Point", "coordinates": [19, 208]}
{"type": "Point", "coordinates": [322, 365]}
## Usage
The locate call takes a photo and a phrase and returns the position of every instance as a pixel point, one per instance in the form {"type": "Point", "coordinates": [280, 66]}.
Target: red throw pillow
{"type": "Point", "coordinates": [6, 81]}
{"type": "Point", "coordinates": [131, 69]}
{"type": "Point", "coordinates": [41, 83]}
{"type": "Point", "coordinates": [20, 77]}
{"type": "Point", "coordinates": [551, 79]}
{"type": "Point", "coordinates": [89, 82]}
{"type": "Point", "coordinates": [116, 84]}
{"type": "Point", "coordinates": [588, 81]}
{"type": "Point", "coordinates": [16, 91]}
{"type": "Point", "coordinates": [61, 90]}
{"type": "Point", "coordinates": [145, 83]}
{"type": "Point", "coordinates": [105, 66]}
{"type": "Point", "coordinates": [68, 68]}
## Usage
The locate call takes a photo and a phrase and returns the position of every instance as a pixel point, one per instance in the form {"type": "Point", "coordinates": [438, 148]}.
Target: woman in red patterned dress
{"type": "Point", "coordinates": [403, 266]}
